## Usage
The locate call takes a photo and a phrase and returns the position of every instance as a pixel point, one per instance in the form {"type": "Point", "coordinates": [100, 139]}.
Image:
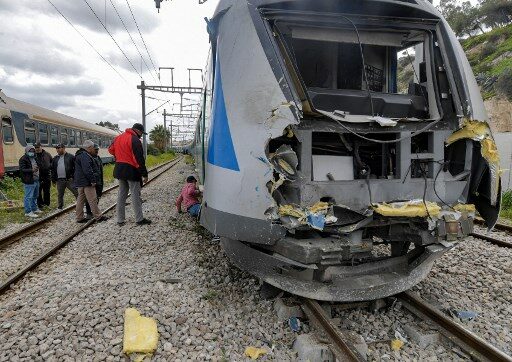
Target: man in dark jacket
{"type": "Point", "coordinates": [130, 170]}
{"type": "Point", "coordinates": [63, 171]}
{"type": "Point", "coordinates": [29, 172]}
{"type": "Point", "coordinates": [44, 162]}
{"type": "Point", "coordinates": [99, 184]}
{"type": "Point", "coordinates": [85, 180]}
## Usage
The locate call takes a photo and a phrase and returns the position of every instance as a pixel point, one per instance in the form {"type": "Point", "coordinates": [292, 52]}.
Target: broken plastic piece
{"type": "Point", "coordinates": [294, 324]}
{"type": "Point", "coordinates": [285, 161]}
{"type": "Point", "coordinates": [140, 333]}
{"type": "Point", "coordinates": [316, 221]}
{"type": "Point", "coordinates": [413, 208]}
{"type": "Point", "coordinates": [465, 315]}
{"type": "Point", "coordinates": [396, 344]}
{"type": "Point", "coordinates": [383, 121]}
{"type": "Point", "coordinates": [255, 353]}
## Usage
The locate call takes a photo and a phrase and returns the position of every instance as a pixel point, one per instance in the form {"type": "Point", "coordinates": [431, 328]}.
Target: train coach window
{"type": "Point", "coordinates": [72, 139]}
{"type": "Point", "coordinates": [54, 135]}
{"type": "Point", "coordinates": [30, 131]}
{"type": "Point", "coordinates": [43, 133]}
{"type": "Point", "coordinates": [78, 136]}
{"type": "Point", "coordinates": [64, 136]}
{"type": "Point", "coordinates": [7, 130]}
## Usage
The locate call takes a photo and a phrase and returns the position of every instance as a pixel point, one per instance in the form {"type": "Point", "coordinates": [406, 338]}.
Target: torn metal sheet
{"type": "Point", "coordinates": [412, 208]}
{"type": "Point", "coordinates": [480, 132]}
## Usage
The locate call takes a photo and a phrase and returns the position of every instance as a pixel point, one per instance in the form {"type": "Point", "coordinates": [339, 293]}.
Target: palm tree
{"type": "Point", "coordinates": [160, 137]}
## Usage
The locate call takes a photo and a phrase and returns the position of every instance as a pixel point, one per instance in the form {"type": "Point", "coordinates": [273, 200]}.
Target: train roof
{"type": "Point", "coordinates": [419, 8]}
{"type": "Point", "coordinates": [40, 113]}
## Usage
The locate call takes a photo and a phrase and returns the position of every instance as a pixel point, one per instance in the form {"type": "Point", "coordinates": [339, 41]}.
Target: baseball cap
{"type": "Point", "coordinates": [139, 127]}
{"type": "Point", "coordinates": [37, 144]}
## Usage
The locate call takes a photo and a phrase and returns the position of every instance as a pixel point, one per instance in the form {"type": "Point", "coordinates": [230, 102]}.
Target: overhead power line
{"type": "Point", "coordinates": [143, 42]}
{"type": "Point", "coordinates": [87, 41]}
{"type": "Point", "coordinates": [108, 32]}
{"type": "Point", "coordinates": [131, 38]}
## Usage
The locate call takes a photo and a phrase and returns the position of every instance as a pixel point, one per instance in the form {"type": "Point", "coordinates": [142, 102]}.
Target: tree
{"type": "Point", "coordinates": [463, 18]}
{"type": "Point", "coordinates": [496, 13]}
{"type": "Point", "coordinates": [159, 136]}
{"type": "Point", "coordinates": [110, 125]}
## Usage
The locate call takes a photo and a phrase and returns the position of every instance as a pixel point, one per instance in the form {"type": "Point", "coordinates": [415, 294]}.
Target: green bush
{"type": "Point", "coordinates": [152, 150]}
{"type": "Point", "coordinates": [504, 84]}
{"type": "Point", "coordinates": [487, 49]}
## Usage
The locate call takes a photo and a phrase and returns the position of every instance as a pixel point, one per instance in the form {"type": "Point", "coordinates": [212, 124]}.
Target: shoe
{"type": "Point", "coordinates": [121, 223]}
{"type": "Point", "coordinates": [144, 222]}
{"type": "Point", "coordinates": [102, 218]}
{"type": "Point", "coordinates": [89, 216]}
{"type": "Point", "coordinates": [31, 214]}
{"type": "Point", "coordinates": [83, 221]}
{"type": "Point", "coordinates": [38, 211]}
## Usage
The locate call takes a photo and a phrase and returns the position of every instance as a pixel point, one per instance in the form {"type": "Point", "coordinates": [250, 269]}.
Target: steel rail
{"type": "Point", "coordinates": [495, 241]}
{"type": "Point", "coordinates": [34, 263]}
{"type": "Point", "coordinates": [343, 350]}
{"type": "Point", "coordinates": [498, 226]}
{"type": "Point", "coordinates": [38, 224]}
{"type": "Point", "coordinates": [477, 347]}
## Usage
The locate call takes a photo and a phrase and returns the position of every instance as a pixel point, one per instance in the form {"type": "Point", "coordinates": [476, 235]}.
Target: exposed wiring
{"type": "Point", "coordinates": [364, 63]}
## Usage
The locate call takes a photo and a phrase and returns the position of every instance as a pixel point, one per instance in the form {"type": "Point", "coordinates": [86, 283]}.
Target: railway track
{"type": "Point", "coordinates": [475, 346]}
{"type": "Point", "coordinates": [38, 224]}
{"type": "Point", "coordinates": [5, 285]}
{"type": "Point", "coordinates": [493, 240]}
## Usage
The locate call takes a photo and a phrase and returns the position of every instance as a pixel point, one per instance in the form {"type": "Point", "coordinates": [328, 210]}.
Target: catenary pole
{"type": "Point", "coordinates": [165, 131]}
{"type": "Point", "coordinates": [144, 137]}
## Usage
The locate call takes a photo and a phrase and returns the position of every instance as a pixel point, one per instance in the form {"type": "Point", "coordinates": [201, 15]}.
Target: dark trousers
{"type": "Point", "coordinates": [43, 199]}
{"type": "Point", "coordinates": [62, 185]}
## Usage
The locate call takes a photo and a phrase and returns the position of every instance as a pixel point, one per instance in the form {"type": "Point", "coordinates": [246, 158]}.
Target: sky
{"type": "Point", "coordinates": [44, 61]}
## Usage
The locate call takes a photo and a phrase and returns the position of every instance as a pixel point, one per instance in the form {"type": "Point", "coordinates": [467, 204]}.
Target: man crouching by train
{"type": "Point", "coordinates": [189, 197]}
{"type": "Point", "coordinates": [29, 171]}
{"type": "Point", "coordinates": [85, 180]}
{"type": "Point", "coordinates": [130, 170]}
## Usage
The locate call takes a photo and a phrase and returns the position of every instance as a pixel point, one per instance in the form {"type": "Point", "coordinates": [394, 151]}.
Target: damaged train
{"type": "Point", "coordinates": [343, 145]}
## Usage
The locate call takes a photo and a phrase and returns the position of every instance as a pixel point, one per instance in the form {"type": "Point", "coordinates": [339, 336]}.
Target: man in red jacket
{"type": "Point", "coordinates": [130, 170]}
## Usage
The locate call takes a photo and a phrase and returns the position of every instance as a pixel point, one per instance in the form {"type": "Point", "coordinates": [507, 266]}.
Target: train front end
{"type": "Point", "coordinates": [348, 147]}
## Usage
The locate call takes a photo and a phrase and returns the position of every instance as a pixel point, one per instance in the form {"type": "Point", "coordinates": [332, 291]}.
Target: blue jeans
{"type": "Point", "coordinates": [194, 210]}
{"type": "Point", "coordinates": [30, 197]}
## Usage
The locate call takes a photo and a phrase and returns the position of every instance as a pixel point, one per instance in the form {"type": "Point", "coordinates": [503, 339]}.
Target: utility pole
{"type": "Point", "coordinates": [165, 131]}
{"type": "Point", "coordinates": [142, 87]}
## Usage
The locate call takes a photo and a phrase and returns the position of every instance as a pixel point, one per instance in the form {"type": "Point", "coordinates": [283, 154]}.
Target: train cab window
{"type": "Point", "coordinates": [72, 137]}
{"type": "Point", "coordinates": [7, 132]}
{"type": "Point", "coordinates": [340, 68]}
{"type": "Point", "coordinates": [54, 135]}
{"type": "Point", "coordinates": [43, 133]}
{"type": "Point", "coordinates": [30, 131]}
{"type": "Point", "coordinates": [64, 136]}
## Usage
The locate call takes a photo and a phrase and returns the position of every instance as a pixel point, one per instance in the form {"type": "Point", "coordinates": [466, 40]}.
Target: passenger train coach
{"type": "Point", "coordinates": [323, 175]}
{"type": "Point", "coordinates": [24, 123]}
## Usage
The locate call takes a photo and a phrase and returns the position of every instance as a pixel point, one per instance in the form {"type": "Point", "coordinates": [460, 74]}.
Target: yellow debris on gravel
{"type": "Point", "coordinates": [255, 353]}
{"type": "Point", "coordinates": [140, 333]}
{"type": "Point", "coordinates": [413, 208]}
{"type": "Point", "coordinates": [396, 344]}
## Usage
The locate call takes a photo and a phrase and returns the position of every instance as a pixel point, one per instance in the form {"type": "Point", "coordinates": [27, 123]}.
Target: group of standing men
{"type": "Point", "coordinates": [82, 174]}
{"type": "Point", "coordinates": [38, 170]}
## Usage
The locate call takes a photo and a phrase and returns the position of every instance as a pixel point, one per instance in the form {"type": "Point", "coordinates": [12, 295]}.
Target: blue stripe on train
{"type": "Point", "coordinates": [220, 145]}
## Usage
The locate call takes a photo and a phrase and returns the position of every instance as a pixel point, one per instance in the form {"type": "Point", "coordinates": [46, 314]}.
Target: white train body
{"type": "Point", "coordinates": [313, 162]}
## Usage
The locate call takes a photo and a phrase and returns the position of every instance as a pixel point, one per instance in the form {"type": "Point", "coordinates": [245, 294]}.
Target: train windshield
{"type": "Point", "coordinates": [353, 70]}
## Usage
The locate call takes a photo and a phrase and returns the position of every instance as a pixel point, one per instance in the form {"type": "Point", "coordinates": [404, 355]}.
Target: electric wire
{"type": "Point", "coordinates": [110, 34]}
{"type": "Point", "coordinates": [143, 42]}
{"type": "Point", "coordinates": [87, 41]}
{"type": "Point", "coordinates": [131, 38]}
{"type": "Point", "coordinates": [365, 72]}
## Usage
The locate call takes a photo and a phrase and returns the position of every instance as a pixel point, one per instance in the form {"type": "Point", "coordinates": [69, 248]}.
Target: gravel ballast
{"type": "Point", "coordinates": [71, 307]}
